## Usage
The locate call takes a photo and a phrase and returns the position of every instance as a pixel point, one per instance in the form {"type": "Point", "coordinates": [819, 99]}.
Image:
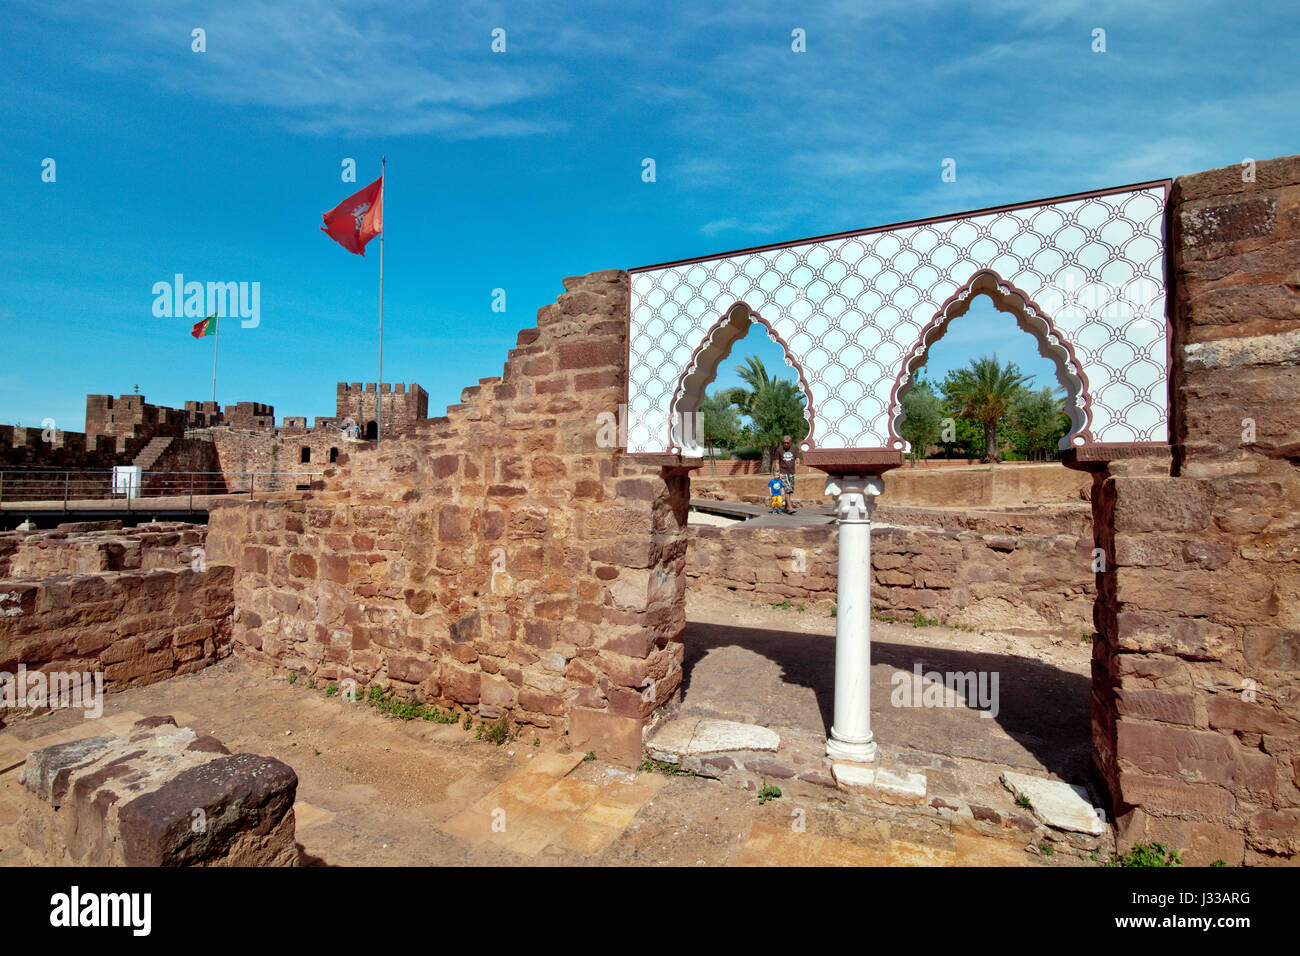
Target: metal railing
{"type": "Point", "coordinates": [122, 488]}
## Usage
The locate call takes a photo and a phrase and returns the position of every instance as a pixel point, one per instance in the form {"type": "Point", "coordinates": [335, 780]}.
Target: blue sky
{"type": "Point", "coordinates": [512, 170]}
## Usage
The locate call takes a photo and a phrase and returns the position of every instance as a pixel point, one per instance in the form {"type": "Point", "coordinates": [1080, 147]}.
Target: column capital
{"type": "Point", "coordinates": [856, 496]}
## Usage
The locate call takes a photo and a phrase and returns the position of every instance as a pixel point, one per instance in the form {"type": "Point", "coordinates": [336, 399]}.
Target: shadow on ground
{"type": "Point", "coordinates": [781, 678]}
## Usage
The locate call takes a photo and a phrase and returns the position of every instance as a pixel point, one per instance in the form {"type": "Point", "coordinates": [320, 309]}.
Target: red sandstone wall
{"type": "Point", "coordinates": [495, 558]}
{"type": "Point", "coordinates": [275, 457]}
{"type": "Point", "coordinates": [1005, 485]}
{"type": "Point", "coordinates": [89, 547]}
{"type": "Point", "coordinates": [1036, 584]}
{"type": "Point", "coordinates": [134, 626]}
{"type": "Point", "coordinates": [1196, 708]}
{"type": "Point", "coordinates": [403, 407]}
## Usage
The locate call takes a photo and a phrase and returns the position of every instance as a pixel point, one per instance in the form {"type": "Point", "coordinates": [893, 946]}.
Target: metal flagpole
{"type": "Point", "coordinates": [379, 395]}
{"type": "Point", "coordinates": [216, 339]}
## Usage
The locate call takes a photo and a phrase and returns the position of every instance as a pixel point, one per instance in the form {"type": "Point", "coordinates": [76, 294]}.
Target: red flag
{"type": "Point", "coordinates": [357, 219]}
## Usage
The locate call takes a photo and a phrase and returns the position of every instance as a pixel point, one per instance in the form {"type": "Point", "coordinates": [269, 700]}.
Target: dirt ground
{"type": "Point", "coordinates": [775, 667]}
{"type": "Point", "coordinates": [377, 790]}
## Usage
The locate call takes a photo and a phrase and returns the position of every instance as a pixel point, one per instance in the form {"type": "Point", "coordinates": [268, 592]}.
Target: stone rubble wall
{"type": "Point", "coordinates": [274, 455]}
{"type": "Point", "coordinates": [1006, 485]}
{"type": "Point", "coordinates": [499, 558]}
{"type": "Point", "coordinates": [93, 546]}
{"type": "Point", "coordinates": [137, 608]}
{"type": "Point", "coordinates": [1036, 584]}
{"type": "Point", "coordinates": [1196, 690]}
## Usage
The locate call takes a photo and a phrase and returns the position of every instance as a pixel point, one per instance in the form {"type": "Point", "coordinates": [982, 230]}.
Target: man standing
{"type": "Point", "coordinates": [787, 456]}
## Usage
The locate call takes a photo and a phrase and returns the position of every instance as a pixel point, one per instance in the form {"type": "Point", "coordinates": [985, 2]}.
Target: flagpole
{"type": "Point", "coordinates": [216, 340]}
{"type": "Point", "coordinates": [379, 395]}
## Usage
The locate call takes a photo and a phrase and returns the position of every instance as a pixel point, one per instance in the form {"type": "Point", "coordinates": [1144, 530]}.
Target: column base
{"type": "Point", "coordinates": [858, 751]}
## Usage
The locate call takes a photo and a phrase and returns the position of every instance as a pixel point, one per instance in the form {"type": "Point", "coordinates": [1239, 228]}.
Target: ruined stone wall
{"type": "Point", "coordinates": [135, 626]}
{"type": "Point", "coordinates": [92, 546]}
{"type": "Point", "coordinates": [1036, 584]}
{"type": "Point", "coordinates": [496, 559]}
{"type": "Point", "coordinates": [1001, 486]}
{"type": "Point", "coordinates": [1196, 720]}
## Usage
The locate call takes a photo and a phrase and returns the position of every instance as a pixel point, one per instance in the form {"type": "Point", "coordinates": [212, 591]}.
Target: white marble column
{"type": "Point", "coordinates": [850, 737]}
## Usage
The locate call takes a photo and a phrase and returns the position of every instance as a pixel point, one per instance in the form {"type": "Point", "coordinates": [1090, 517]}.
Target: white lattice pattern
{"type": "Point", "coordinates": [851, 312]}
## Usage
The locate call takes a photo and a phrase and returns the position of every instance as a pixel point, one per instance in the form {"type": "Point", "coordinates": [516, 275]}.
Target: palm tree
{"type": "Point", "coordinates": [754, 374]}
{"type": "Point", "coordinates": [774, 405]}
{"type": "Point", "coordinates": [985, 392]}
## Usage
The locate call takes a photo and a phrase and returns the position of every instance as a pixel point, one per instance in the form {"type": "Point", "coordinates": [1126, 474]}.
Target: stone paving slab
{"type": "Point", "coordinates": [1060, 805]}
{"type": "Point", "coordinates": [692, 736]}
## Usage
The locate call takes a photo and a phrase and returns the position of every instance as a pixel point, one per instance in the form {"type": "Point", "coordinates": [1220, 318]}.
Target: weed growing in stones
{"type": "Point", "coordinates": [591, 755]}
{"type": "Point", "coordinates": [650, 766]}
{"type": "Point", "coordinates": [768, 793]}
{"type": "Point", "coordinates": [1147, 854]}
{"type": "Point", "coordinates": [1046, 848]}
{"type": "Point", "coordinates": [386, 702]}
{"type": "Point", "coordinates": [293, 678]}
{"type": "Point", "coordinates": [331, 690]}
{"type": "Point", "coordinates": [1023, 801]}
{"type": "Point", "coordinates": [497, 733]}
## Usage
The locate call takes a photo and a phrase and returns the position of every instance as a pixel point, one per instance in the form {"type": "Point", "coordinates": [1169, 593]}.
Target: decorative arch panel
{"type": "Point", "coordinates": [857, 312]}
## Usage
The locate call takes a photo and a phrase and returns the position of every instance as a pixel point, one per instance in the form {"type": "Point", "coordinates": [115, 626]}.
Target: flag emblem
{"type": "Point", "coordinates": [204, 327]}
{"type": "Point", "coordinates": [357, 219]}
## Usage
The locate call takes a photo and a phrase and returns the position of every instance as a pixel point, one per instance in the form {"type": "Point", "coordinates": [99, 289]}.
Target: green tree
{"type": "Point", "coordinates": [922, 423]}
{"type": "Point", "coordinates": [773, 405]}
{"type": "Point", "coordinates": [777, 410]}
{"type": "Point", "coordinates": [719, 420]}
{"type": "Point", "coordinates": [984, 392]}
{"type": "Point", "coordinates": [1038, 422]}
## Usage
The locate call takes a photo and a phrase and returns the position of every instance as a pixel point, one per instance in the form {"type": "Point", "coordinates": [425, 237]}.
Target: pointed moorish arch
{"type": "Point", "coordinates": [1031, 318]}
{"type": "Point", "coordinates": [702, 369]}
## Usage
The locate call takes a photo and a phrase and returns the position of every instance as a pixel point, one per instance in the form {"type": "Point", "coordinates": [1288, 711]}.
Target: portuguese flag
{"type": "Point", "coordinates": [207, 327]}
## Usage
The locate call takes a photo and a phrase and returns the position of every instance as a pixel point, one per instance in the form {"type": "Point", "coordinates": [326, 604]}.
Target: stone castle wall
{"type": "Point", "coordinates": [276, 456]}
{"type": "Point", "coordinates": [131, 421]}
{"type": "Point", "coordinates": [403, 408]}
{"type": "Point", "coordinates": [497, 558]}
{"type": "Point", "coordinates": [1196, 724]}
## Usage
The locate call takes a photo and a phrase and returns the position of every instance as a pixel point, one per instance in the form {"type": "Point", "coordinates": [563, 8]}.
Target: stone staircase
{"type": "Point", "coordinates": [151, 452]}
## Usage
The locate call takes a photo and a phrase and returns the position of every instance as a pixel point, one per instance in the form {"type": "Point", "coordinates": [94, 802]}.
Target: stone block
{"type": "Point", "coordinates": [159, 796]}
{"type": "Point", "coordinates": [612, 737]}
